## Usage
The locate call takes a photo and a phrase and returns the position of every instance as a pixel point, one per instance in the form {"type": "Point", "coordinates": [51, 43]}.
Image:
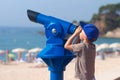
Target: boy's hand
{"type": "Point", "coordinates": [68, 44]}
{"type": "Point", "coordinates": [78, 30]}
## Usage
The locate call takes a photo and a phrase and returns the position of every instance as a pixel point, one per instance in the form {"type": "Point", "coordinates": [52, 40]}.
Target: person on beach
{"type": "Point", "coordinates": [7, 53]}
{"type": "Point", "coordinates": [85, 51]}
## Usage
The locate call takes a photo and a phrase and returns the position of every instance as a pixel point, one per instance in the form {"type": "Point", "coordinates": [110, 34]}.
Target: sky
{"type": "Point", "coordinates": [14, 12]}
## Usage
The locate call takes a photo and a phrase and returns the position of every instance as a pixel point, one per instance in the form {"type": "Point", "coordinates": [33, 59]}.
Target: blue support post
{"type": "Point", "coordinates": [56, 75]}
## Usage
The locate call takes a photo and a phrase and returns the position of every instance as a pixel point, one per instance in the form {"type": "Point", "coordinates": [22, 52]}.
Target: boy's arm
{"type": "Point", "coordinates": [77, 40]}
{"type": "Point", "coordinates": [68, 44]}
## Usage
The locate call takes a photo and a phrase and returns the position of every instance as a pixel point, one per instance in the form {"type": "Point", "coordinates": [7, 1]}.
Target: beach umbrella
{"type": "Point", "coordinates": [102, 47]}
{"type": "Point", "coordinates": [96, 45]}
{"type": "Point", "coordinates": [115, 45]}
{"type": "Point", "coordinates": [19, 52]}
{"type": "Point", "coordinates": [2, 51]}
{"type": "Point", "coordinates": [34, 50]}
{"type": "Point", "coordinates": [116, 48]}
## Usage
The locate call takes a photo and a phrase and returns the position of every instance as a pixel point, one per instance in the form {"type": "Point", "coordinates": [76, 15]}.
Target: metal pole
{"type": "Point", "coordinates": [56, 75]}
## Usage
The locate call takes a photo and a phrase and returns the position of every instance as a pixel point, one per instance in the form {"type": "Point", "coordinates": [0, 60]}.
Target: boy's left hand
{"type": "Point", "coordinates": [78, 30]}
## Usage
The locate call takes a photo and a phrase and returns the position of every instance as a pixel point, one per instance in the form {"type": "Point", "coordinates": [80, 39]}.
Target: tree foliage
{"type": "Point", "coordinates": [108, 15]}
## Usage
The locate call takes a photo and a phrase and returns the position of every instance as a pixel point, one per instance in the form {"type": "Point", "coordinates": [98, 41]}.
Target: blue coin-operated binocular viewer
{"type": "Point", "coordinates": [54, 54]}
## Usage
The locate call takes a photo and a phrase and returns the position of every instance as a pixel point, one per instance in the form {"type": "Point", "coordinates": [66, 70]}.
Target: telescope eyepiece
{"type": "Point", "coordinates": [32, 15]}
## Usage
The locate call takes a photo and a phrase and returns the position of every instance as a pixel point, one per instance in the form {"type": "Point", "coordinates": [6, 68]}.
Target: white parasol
{"type": "Point", "coordinates": [19, 50]}
{"type": "Point", "coordinates": [32, 53]}
{"type": "Point", "coordinates": [115, 45]}
{"type": "Point", "coordinates": [102, 47]}
{"type": "Point", "coordinates": [34, 50]}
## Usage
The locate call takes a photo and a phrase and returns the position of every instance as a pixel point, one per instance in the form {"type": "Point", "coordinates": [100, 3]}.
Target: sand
{"type": "Point", "coordinates": [108, 69]}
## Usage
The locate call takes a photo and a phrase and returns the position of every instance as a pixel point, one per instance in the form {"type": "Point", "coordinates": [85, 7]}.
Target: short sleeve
{"type": "Point", "coordinates": [77, 48]}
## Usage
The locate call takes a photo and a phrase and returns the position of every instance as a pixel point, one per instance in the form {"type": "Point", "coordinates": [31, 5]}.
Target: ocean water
{"type": "Point", "coordinates": [29, 37]}
{"type": "Point", "coordinates": [21, 37]}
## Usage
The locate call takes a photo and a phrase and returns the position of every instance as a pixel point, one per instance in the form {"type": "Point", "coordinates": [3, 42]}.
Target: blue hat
{"type": "Point", "coordinates": [90, 30]}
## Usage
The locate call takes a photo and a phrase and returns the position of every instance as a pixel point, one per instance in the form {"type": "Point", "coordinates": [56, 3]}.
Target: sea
{"type": "Point", "coordinates": [30, 37]}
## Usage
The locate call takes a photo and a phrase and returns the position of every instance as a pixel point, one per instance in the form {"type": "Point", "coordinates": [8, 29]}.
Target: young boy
{"type": "Point", "coordinates": [85, 51]}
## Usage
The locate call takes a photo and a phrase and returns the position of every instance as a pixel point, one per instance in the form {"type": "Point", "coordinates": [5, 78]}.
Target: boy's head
{"type": "Point", "coordinates": [90, 31]}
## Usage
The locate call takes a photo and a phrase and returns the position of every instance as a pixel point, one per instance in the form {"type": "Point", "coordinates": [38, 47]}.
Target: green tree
{"type": "Point", "coordinates": [109, 15]}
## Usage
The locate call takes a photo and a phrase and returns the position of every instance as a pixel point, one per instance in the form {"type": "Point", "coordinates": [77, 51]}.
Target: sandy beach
{"type": "Point", "coordinates": [108, 69]}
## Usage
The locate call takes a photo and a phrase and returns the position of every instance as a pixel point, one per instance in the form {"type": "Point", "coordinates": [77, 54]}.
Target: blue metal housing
{"type": "Point", "coordinates": [54, 54]}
